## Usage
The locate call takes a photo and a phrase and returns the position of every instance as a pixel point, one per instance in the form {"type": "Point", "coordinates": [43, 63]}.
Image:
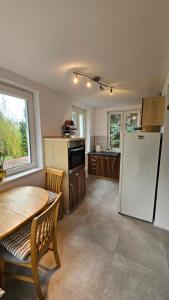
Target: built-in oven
{"type": "Point", "coordinates": [76, 154]}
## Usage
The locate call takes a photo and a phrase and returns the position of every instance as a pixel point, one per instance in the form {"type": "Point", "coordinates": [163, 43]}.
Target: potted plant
{"type": "Point", "coordinates": [2, 171]}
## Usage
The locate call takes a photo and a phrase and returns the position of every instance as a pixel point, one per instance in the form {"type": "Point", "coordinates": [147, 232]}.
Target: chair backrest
{"type": "Point", "coordinates": [54, 179]}
{"type": "Point", "coordinates": [43, 230]}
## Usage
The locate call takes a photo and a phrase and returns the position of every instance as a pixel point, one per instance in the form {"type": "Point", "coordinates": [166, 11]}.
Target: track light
{"type": "Point", "coordinates": [75, 79]}
{"type": "Point", "coordinates": [111, 91]}
{"type": "Point", "coordinates": [91, 79]}
{"type": "Point", "coordinates": [88, 84]}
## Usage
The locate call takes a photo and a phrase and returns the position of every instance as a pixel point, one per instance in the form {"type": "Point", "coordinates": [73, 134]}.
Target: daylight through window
{"type": "Point", "coordinates": [79, 118]}
{"type": "Point", "coordinates": [16, 142]}
{"type": "Point", "coordinates": [118, 123]}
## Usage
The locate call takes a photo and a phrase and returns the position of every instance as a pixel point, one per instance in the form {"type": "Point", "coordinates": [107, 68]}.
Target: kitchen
{"type": "Point", "coordinates": [84, 145]}
{"type": "Point", "coordinates": [128, 152]}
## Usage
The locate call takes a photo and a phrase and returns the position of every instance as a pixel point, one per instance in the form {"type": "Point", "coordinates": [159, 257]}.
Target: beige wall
{"type": "Point", "coordinates": [54, 110]}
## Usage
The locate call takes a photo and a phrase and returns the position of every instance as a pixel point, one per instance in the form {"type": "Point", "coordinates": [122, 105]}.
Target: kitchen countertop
{"type": "Point", "coordinates": [105, 153]}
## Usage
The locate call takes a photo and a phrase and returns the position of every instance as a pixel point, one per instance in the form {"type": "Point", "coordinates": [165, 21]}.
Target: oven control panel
{"type": "Point", "coordinates": [77, 143]}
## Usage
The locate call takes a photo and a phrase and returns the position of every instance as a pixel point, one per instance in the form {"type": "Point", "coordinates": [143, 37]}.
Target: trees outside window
{"type": "Point", "coordinates": [118, 123]}
{"type": "Point", "coordinates": [17, 139]}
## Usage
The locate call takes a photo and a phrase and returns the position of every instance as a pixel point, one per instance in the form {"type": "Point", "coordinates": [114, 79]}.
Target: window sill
{"type": "Point", "coordinates": [20, 175]}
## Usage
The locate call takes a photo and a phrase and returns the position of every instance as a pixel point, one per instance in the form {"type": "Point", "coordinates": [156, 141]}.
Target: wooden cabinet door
{"type": "Point", "coordinates": [116, 166]}
{"type": "Point", "coordinates": [83, 182]}
{"type": "Point", "coordinates": [77, 187]}
{"type": "Point", "coordinates": [92, 164]}
{"type": "Point", "coordinates": [153, 109]}
{"type": "Point", "coordinates": [74, 194]}
{"type": "Point", "coordinates": [104, 166]}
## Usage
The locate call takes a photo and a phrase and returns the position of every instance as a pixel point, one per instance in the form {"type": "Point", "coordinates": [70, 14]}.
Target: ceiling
{"type": "Point", "coordinates": [123, 41]}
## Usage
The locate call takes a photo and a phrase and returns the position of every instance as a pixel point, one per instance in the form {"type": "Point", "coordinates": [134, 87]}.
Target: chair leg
{"type": "Point", "coordinates": [37, 282]}
{"type": "Point", "coordinates": [2, 278]}
{"type": "Point", "coordinates": [56, 254]}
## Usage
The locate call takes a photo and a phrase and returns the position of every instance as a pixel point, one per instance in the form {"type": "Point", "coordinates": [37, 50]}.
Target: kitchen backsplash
{"type": "Point", "coordinates": [100, 140]}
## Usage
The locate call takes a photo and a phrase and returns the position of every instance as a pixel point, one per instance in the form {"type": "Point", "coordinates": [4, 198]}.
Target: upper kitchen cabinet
{"type": "Point", "coordinates": [153, 109]}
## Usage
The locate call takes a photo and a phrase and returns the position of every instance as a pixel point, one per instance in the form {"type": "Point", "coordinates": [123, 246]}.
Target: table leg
{"type": "Point", "coordinates": [2, 266]}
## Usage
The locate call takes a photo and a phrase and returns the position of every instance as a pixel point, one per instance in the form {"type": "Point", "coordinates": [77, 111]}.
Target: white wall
{"type": "Point", "coordinates": [54, 110]}
{"type": "Point", "coordinates": [100, 117]}
{"type": "Point", "coordinates": [162, 207]}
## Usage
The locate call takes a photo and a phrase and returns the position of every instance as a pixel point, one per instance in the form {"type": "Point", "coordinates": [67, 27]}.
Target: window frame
{"type": "Point", "coordinates": [123, 114]}
{"type": "Point", "coordinates": [80, 111]}
{"type": "Point", "coordinates": [26, 95]}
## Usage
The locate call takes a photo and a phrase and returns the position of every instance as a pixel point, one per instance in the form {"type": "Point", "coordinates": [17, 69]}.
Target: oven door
{"type": "Point", "coordinates": [76, 157]}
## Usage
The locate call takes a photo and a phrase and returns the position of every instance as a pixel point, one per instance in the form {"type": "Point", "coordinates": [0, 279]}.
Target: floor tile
{"type": "Point", "coordinates": [88, 270]}
{"type": "Point", "coordinates": [101, 231]}
{"type": "Point", "coordinates": [143, 243]}
{"type": "Point", "coordinates": [131, 281]}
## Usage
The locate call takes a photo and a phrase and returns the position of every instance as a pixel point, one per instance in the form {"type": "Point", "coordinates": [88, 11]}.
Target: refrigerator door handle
{"type": "Point", "coordinates": [141, 137]}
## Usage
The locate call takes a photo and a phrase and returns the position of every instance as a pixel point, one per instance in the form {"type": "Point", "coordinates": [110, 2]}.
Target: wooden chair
{"type": "Point", "coordinates": [43, 232]}
{"type": "Point", "coordinates": [54, 182]}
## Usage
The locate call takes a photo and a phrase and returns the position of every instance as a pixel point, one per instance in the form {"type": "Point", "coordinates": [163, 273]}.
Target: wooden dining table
{"type": "Point", "coordinates": [19, 205]}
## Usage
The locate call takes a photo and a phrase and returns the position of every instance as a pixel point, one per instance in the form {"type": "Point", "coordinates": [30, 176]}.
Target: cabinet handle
{"type": "Point", "coordinates": [77, 174]}
{"type": "Point", "coordinates": [71, 186]}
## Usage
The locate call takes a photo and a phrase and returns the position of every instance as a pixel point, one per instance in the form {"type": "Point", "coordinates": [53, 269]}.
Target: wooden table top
{"type": "Point", "coordinates": [18, 205]}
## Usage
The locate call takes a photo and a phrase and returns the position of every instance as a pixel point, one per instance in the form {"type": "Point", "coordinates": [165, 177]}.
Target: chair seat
{"type": "Point", "coordinates": [18, 243]}
{"type": "Point", "coordinates": [6, 256]}
{"type": "Point", "coordinates": [51, 197]}
{"type": "Point", "coordinates": [1, 292]}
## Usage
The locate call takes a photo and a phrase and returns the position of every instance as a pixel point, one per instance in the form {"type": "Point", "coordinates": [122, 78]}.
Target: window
{"type": "Point", "coordinates": [118, 123]}
{"type": "Point", "coordinates": [17, 139]}
{"type": "Point", "coordinates": [79, 118]}
{"type": "Point", "coordinates": [131, 121]}
{"type": "Point", "coordinates": [115, 124]}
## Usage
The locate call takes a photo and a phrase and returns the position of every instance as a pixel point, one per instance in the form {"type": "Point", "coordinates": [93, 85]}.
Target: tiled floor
{"type": "Point", "coordinates": [104, 255]}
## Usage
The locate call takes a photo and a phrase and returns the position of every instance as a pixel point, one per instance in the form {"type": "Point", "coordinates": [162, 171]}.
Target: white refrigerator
{"type": "Point", "coordinates": [139, 171]}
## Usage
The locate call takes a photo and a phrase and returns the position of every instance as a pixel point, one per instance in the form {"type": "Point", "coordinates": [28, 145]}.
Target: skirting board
{"type": "Point", "coordinates": [160, 226]}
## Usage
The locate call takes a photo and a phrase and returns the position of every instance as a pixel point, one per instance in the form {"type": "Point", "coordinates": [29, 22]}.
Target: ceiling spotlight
{"type": "Point", "coordinates": [92, 79]}
{"type": "Point", "coordinates": [111, 91]}
{"type": "Point", "coordinates": [88, 84]}
{"type": "Point", "coordinates": [75, 79]}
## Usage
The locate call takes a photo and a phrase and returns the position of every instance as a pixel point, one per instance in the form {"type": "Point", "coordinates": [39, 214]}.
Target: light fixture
{"type": "Point", "coordinates": [111, 91]}
{"type": "Point", "coordinates": [95, 79]}
{"type": "Point", "coordinates": [75, 79]}
{"type": "Point", "coordinates": [88, 84]}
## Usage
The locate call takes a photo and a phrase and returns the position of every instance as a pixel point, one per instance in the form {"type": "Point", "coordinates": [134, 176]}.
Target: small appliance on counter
{"type": "Point", "coordinates": [98, 148]}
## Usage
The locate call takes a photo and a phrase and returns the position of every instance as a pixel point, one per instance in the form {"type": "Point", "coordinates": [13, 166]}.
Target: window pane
{"type": "Point", "coordinates": [74, 117]}
{"type": "Point", "coordinates": [78, 116]}
{"type": "Point", "coordinates": [115, 120]}
{"type": "Point", "coordinates": [14, 131]}
{"type": "Point", "coordinates": [131, 121]}
{"type": "Point", "coordinates": [81, 125]}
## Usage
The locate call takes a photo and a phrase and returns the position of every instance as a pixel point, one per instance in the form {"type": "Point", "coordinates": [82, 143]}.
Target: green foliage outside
{"type": "Point", "coordinates": [115, 123]}
{"type": "Point", "coordinates": [131, 121]}
{"type": "Point", "coordinates": [13, 136]}
{"type": "Point", "coordinates": [115, 131]}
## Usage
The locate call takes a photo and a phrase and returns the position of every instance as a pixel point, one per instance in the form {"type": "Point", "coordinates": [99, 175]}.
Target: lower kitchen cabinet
{"type": "Point", "coordinates": [104, 166]}
{"type": "Point", "coordinates": [76, 187]}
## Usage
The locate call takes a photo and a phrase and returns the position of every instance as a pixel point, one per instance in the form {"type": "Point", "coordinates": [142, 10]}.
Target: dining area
{"type": "Point", "coordinates": [28, 230]}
